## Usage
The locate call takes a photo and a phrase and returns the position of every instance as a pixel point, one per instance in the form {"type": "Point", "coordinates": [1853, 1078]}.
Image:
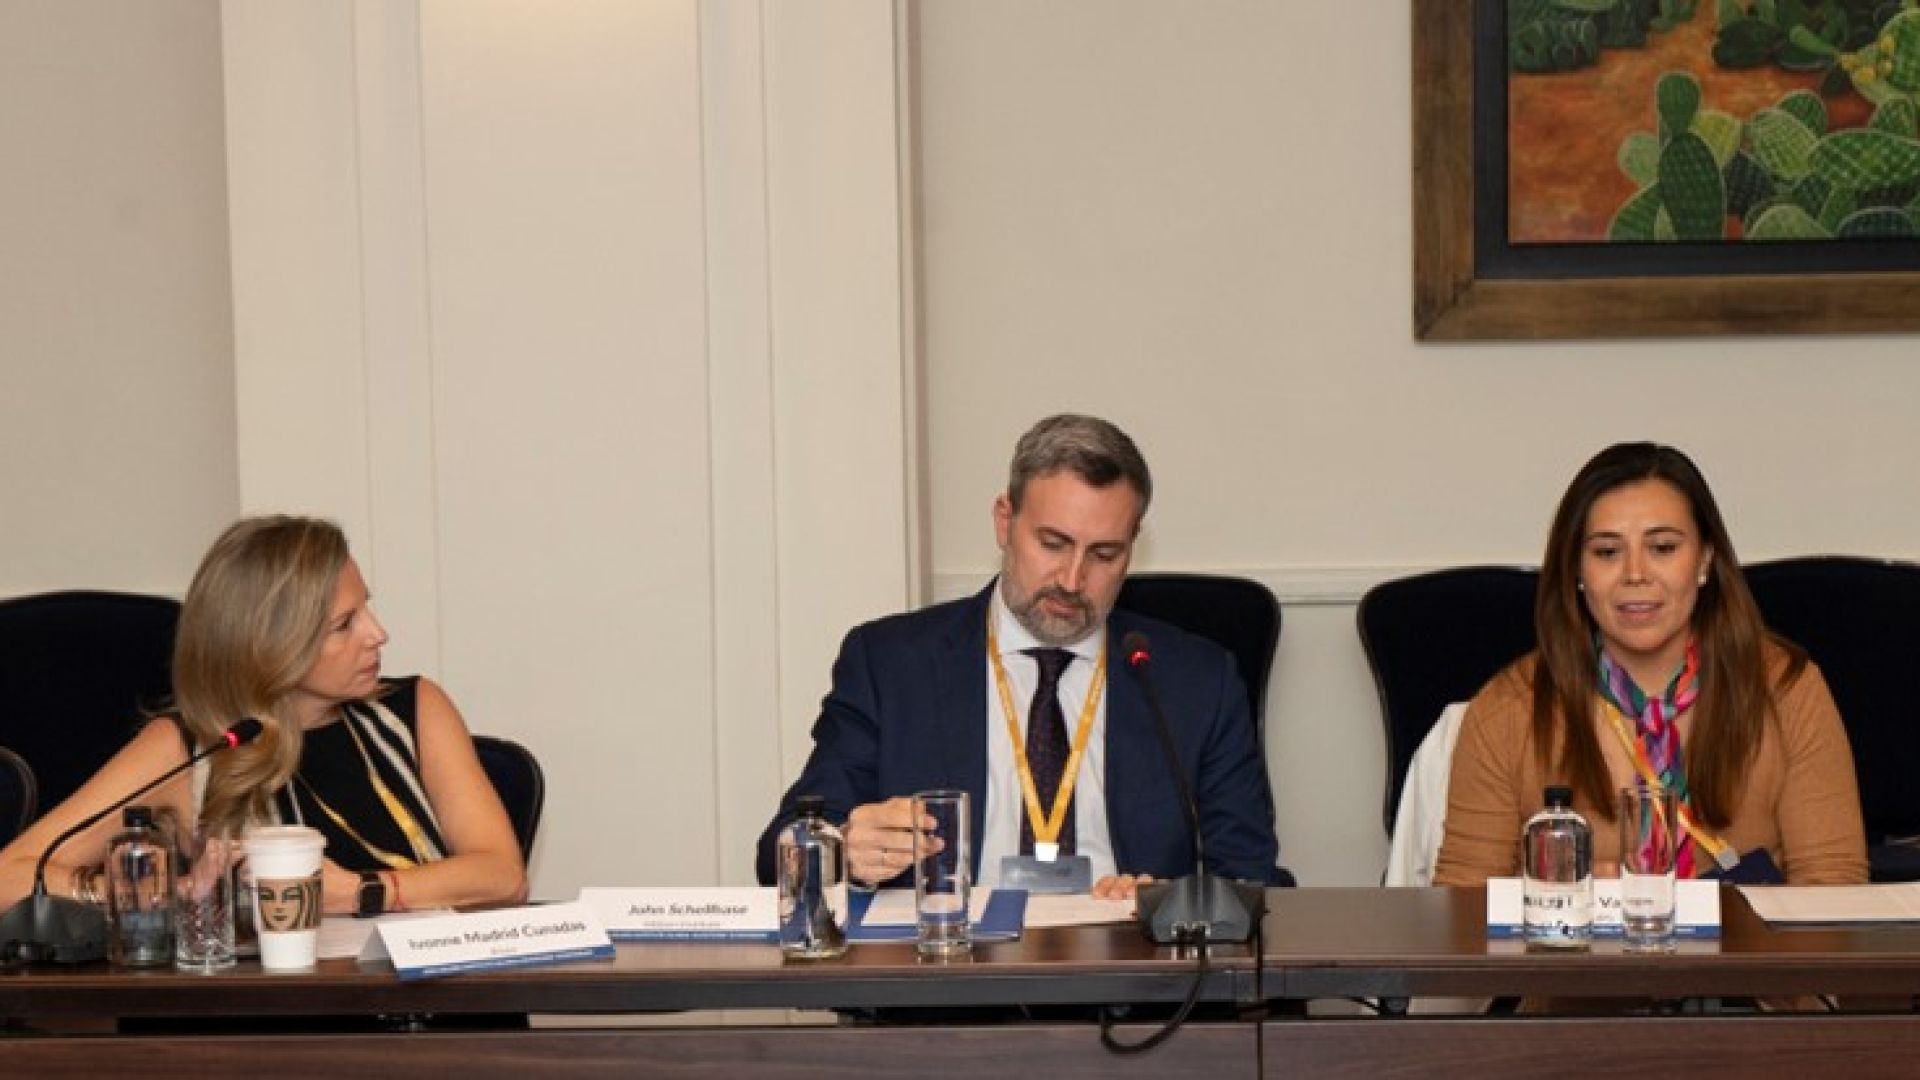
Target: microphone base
{"type": "Point", "coordinates": [1173, 912]}
{"type": "Point", "coordinates": [43, 928]}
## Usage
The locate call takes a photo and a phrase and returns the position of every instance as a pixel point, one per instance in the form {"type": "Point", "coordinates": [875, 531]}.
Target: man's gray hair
{"type": "Point", "coordinates": [1091, 448]}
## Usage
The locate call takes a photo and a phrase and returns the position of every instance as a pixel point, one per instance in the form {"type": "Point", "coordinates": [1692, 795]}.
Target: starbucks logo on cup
{"type": "Point", "coordinates": [288, 903]}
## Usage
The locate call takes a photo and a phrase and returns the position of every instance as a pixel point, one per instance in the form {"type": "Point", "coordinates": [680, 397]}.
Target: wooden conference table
{"type": "Point", "coordinates": [1317, 944]}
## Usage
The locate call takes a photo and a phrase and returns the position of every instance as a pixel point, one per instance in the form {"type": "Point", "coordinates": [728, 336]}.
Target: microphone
{"type": "Point", "coordinates": [45, 927]}
{"type": "Point", "coordinates": [1200, 907]}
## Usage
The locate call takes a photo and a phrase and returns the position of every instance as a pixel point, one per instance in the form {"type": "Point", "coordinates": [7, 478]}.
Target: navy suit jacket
{"type": "Point", "coordinates": [908, 713]}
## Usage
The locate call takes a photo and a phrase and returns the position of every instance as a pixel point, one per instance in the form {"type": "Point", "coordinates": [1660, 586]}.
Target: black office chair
{"type": "Point", "coordinates": [516, 775]}
{"type": "Point", "coordinates": [1237, 614]}
{"type": "Point", "coordinates": [1436, 638]}
{"type": "Point", "coordinates": [1240, 615]}
{"type": "Point", "coordinates": [19, 796]}
{"type": "Point", "coordinates": [1859, 619]}
{"type": "Point", "coordinates": [78, 671]}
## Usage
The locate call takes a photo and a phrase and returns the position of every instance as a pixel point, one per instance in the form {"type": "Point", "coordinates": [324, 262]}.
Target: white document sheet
{"type": "Point", "coordinates": [894, 907]}
{"type": "Point", "coordinates": [1815, 905]}
{"type": "Point", "coordinates": [343, 937]}
{"type": "Point", "coordinates": [1077, 909]}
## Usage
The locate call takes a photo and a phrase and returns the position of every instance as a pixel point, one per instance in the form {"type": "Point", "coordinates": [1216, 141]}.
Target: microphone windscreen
{"type": "Point", "coordinates": [1134, 647]}
{"type": "Point", "coordinates": [244, 732]}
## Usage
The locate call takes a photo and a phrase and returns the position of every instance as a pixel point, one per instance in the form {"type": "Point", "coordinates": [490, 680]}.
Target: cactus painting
{"type": "Point", "coordinates": [1784, 175]}
{"type": "Point", "coordinates": [1564, 35]}
{"type": "Point", "coordinates": [1755, 120]}
{"type": "Point", "coordinates": [1634, 168]}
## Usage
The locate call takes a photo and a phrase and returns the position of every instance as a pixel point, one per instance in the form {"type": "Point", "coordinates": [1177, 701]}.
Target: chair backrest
{"type": "Point", "coordinates": [1240, 615]}
{"type": "Point", "coordinates": [1436, 638]}
{"type": "Point", "coordinates": [1859, 619]}
{"type": "Point", "coordinates": [19, 799]}
{"type": "Point", "coordinates": [516, 775]}
{"type": "Point", "coordinates": [78, 670]}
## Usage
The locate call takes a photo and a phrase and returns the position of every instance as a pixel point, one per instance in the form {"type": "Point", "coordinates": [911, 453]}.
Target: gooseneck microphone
{"type": "Point", "coordinates": [1199, 907]}
{"type": "Point", "coordinates": [45, 927]}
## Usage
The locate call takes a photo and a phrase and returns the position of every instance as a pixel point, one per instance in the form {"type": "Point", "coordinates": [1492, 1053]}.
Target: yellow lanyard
{"type": "Point", "coordinates": [409, 826]}
{"type": "Point", "coordinates": [1722, 852]}
{"type": "Point", "coordinates": [1046, 828]}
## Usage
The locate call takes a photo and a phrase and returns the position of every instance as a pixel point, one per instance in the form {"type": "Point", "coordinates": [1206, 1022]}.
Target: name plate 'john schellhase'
{"type": "Point", "coordinates": [478, 941]}
{"type": "Point", "coordinates": [692, 913]}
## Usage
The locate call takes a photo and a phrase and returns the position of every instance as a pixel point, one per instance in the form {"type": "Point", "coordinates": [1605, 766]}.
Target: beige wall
{"type": "Point", "coordinates": [1193, 218]}
{"type": "Point", "coordinates": [116, 355]}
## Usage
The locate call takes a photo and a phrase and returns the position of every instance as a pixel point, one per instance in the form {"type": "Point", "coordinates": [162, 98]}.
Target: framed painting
{"type": "Point", "coordinates": [1613, 168]}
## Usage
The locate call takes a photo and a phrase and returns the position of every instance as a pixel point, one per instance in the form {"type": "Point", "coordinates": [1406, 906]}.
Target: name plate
{"type": "Point", "coordinates": [1696, 908]}
{"type": "Point", "coordinates": [692, 913]}
{"type": "Point", "coordinates": [483, 940]}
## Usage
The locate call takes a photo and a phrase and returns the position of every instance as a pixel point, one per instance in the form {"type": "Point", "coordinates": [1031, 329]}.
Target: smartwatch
{"type": "Point", "coordinates": [373, 895]}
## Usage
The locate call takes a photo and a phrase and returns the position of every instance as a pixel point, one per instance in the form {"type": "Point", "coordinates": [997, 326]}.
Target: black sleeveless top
{"type": "Point", "coordinates": [359, 784]}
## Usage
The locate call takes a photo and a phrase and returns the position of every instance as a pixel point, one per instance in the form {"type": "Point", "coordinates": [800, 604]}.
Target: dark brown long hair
{"type": "Point", "coordinates": [1735, 702]}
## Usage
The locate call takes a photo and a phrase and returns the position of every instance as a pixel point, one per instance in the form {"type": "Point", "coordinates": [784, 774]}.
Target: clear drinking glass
{"type": "Point", "coordinates": [1649, 837]}
{"type": "Point", "coordinates": [943, 872]}
{"type": "Point", "coordinates": [203, 899]}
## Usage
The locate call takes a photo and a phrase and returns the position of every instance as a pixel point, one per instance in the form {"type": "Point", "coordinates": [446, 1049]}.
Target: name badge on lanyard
{"type": "Point", "coordinates": [1046, 870]}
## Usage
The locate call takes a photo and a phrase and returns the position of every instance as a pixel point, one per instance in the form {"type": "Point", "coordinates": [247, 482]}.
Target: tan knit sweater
{"type": "Point", "coordinates": [1801, 802]}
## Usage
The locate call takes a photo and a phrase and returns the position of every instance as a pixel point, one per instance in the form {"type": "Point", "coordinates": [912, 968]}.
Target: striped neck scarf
{"type": "Point", "coordinates": [1657, 729]}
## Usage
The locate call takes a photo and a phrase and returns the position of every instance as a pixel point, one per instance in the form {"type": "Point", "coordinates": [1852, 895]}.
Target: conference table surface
{"type": "Point", "coordinates": [1080, 965]}
{"type": "Point", "coordinates": [1316, 943]}
{"type": "Point", "coordinates": [1362, 942]}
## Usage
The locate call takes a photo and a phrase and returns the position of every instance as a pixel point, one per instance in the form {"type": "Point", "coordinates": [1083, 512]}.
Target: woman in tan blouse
{"type": "Point", "coordinates": [1653, 662]}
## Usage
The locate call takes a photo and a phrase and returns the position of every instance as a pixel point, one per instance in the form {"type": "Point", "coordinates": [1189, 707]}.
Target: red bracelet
{"type": "Point", "coordinates": [393, 891]}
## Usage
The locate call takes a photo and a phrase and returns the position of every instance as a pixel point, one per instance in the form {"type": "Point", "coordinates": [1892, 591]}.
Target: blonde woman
{"type": "Point", "coordinates": [277, 625]}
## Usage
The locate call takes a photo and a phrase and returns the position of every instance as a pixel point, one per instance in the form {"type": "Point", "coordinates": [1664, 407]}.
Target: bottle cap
{"type": "Point", "coordinates": [1559, 796]}
{"type": "Point", "coordinates": [137, 817]}
{"type": "Point", "coordinates": [811, 805]}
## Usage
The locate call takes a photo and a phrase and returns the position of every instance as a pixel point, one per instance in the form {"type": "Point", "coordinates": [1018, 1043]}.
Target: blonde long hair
{"type": "Point", "coordinates": [254, 619]}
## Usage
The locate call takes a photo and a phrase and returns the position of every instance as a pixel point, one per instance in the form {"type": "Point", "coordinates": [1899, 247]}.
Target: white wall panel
{"type": "Point", "coordinates": [616, 346]}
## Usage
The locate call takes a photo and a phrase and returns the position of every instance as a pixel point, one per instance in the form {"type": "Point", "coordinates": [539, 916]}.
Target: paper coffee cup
{"type": "Point", "coordinates": [287, 898]}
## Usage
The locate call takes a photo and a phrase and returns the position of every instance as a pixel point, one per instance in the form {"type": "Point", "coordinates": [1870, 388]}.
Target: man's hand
{"type": "Point", "coordinates": [880, 839]}
{"type": "Point", "coordinates": [1120, 886]}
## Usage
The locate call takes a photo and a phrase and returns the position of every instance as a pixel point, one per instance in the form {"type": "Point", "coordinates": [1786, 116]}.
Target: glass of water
{"type": "Point", "coordinates": [203, 899]}
{"type": "Point", "coordinates": [942, 871]}
{"type": "Point", "coordinates": [1649, 838]}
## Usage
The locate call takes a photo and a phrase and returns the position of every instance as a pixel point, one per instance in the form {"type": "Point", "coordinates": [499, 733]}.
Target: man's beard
{"type": "Point", "coordinates": [1046, 627]}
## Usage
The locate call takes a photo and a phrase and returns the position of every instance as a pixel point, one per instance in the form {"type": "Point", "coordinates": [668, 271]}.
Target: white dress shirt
{"type": "Point", "coordinates": [1006, 804]}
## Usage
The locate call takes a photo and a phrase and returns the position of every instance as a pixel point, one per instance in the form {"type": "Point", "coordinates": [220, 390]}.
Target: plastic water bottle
{"type": "Point", "coordinates": [140, 892]}
{"type": "Point", "coordinates": [1557, 875]}
{"type": "Point", "coordinates": [812, 858]}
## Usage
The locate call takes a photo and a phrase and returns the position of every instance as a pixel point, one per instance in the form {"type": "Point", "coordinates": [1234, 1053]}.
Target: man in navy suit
{"type": "Point", "coordinates": [920, 701]}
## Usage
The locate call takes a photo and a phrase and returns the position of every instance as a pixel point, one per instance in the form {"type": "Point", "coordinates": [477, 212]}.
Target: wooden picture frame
{"type": "Point", "coordinates": [1455, 300]}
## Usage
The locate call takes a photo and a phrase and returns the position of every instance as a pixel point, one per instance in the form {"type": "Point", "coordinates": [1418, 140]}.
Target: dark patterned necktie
{"type": "Point", "coordinates": [1047, 746]}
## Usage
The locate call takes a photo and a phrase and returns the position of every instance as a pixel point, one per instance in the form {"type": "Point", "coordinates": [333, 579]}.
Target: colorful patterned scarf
{"type": "Point", "coordinates": [1657, 729]}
